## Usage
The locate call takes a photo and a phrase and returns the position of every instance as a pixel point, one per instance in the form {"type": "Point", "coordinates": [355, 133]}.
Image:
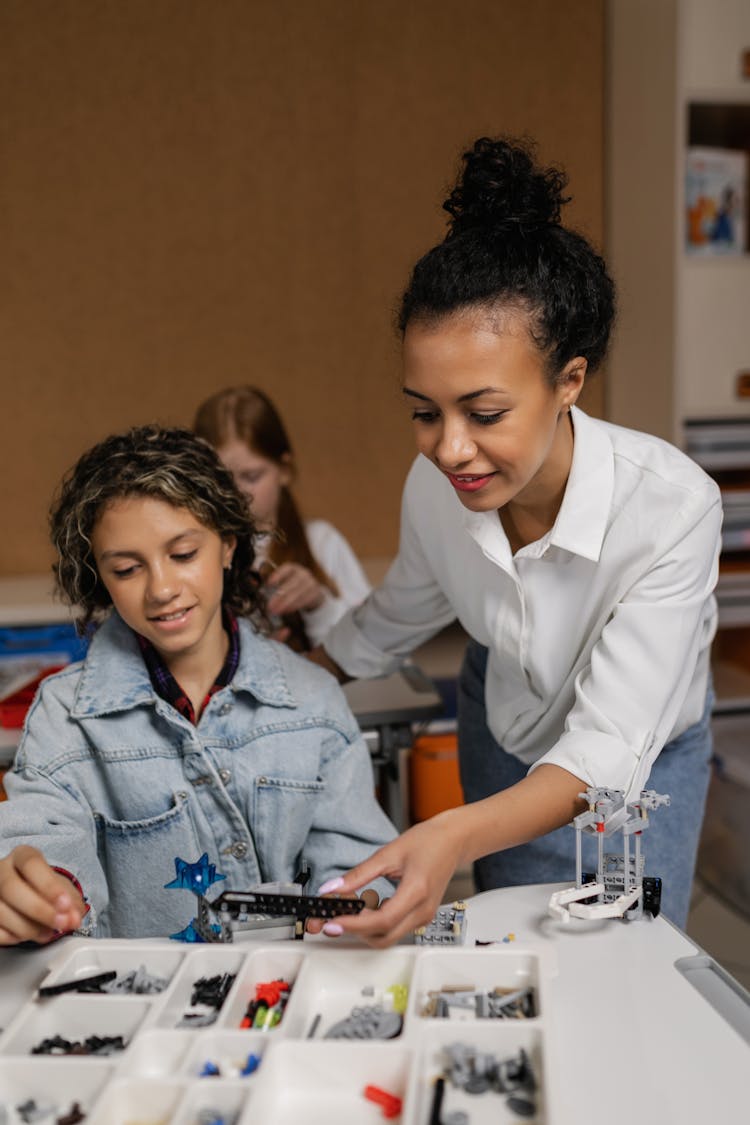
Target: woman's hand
{"type": "Point", "coordinates": [291, 588]}
{"type": "Point", "coordinates": [423, 860]}
{"type": "Point", "coordinates": [36, 902]}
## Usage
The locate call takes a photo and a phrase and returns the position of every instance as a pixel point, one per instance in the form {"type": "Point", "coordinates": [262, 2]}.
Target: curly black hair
{"type": "Point", "coordinates": [506, 249]}
{"type": "Point", "coordinates": [169, 464]}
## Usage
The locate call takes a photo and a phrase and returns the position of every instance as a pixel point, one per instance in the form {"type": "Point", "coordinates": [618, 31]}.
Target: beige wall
{"type": "Point", "coordinates": [194, 194]}
{"type": "Point", "coordinates": [641, 141]}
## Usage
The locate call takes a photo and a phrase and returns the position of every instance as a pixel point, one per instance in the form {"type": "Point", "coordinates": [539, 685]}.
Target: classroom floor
{"type": "Point", "coordinates": [715, 925]}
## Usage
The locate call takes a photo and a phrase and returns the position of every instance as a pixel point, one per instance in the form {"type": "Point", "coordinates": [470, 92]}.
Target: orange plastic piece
{"type": "Point", "coordinates": [435, 782]}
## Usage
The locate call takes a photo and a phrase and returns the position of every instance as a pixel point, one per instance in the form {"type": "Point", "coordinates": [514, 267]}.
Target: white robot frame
{"type": "Point", "coordinates": [619, 889]}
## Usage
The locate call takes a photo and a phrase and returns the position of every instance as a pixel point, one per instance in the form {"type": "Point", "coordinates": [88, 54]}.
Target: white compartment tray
{"type": "Point", "coordinates": [297, 1072]}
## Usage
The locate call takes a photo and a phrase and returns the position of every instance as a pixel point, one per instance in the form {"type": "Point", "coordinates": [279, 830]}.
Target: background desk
{"type": "Point", "coordinates": [629, 1038]}
{"type": "Point", "coordinates": [387, 710]}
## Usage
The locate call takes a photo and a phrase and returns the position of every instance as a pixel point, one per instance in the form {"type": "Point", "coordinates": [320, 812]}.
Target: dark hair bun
{"type": "Point", "coordinates": [501, 187]}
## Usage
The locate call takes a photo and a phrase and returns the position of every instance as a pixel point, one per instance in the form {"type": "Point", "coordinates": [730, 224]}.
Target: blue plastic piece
{"type": "Point", "coordinates": [195, 877]}
{"type": "Point", "coordinates": [252, 1064]}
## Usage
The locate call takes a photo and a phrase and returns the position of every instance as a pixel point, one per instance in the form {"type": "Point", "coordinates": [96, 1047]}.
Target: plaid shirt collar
{"type": "Point", "coordinates": [164, 683]}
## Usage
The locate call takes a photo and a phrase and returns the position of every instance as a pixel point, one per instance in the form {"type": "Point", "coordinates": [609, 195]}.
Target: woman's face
{"type": "Point", "coordinates": [258, 478]}
{"type": "Point", "coordinates": [484, 411]}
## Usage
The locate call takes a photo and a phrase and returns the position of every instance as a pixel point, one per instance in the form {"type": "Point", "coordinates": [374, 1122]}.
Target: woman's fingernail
{"type": "Point", "coordinates": [333, 929]}
{"type": "Point", "coordinates": [331, 885]}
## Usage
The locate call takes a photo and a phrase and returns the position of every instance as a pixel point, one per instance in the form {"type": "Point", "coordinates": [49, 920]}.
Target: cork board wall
{"type": "Point", "coordinates": [199, 194]}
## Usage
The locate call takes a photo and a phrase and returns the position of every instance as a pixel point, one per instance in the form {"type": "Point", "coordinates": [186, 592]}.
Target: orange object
{"type": "Point", "coordinates": [435, 783]}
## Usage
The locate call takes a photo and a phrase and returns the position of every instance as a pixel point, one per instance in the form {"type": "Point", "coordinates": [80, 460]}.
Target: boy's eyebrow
{"type": "Point", "coordinates": [135, 554]}
{"type": "Point", "coordinates": [462, 398]}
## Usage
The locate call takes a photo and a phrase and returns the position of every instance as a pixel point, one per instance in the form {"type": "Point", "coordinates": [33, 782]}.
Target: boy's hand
{"type": "Point", "coordinates": [36, 902]}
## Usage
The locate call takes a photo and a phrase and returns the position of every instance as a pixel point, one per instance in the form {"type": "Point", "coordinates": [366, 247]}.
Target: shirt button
{"type": "Point", "coordinates": [262, 780]}
{"type": "Point", "coordinates": [182, 795]}
{"type": "Point", "coordinates": [239, 849]}
{"type": "Point", "coordinates": [225, 708]}
{"type": "Point", "coordinates": [225, 775]}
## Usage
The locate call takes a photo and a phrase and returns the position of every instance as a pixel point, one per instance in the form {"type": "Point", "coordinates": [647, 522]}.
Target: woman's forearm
{"type": "Point", "coordinates": [544, 800]}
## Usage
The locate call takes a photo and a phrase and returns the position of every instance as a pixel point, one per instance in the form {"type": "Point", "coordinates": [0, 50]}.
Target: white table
{"type": "Point", "coordinates": [629, 1037]}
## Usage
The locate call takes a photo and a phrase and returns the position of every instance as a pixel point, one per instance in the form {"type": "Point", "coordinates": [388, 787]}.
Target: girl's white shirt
{"type": "Point", "coordinates": [339, 562]}
{"type": "Point", "coordinates": [598, 633]}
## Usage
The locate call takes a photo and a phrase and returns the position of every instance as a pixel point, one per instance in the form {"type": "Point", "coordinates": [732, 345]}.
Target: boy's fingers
{"type": "Point", "coordinates": [35, 895]}
{"type": "Point", "coordinates": [21, 900]}
{"type": "Point", "coordinates": [33, 868]}
{"type": "Point", "coordinates": [17, 925]}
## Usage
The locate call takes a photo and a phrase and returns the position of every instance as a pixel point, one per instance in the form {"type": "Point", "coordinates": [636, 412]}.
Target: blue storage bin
{"type": "Point", "coordinates": [38, 640]}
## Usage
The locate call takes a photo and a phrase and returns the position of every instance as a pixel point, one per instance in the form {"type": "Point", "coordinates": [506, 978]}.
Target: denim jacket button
{"type": "Point", "coordinates": [182, 795]}
{"type": "Point", "coordinates": [225, 775]}
{"type": "Point", "coordinates": [239, 849]}
{"type": "Point", "coordinates": [261, 781]}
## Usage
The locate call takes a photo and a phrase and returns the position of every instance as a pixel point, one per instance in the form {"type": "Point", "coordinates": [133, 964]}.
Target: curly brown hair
{"type": "Point", "coordinates": [165, 463]}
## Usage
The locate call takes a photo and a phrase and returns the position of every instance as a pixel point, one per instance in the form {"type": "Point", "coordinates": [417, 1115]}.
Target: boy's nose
{"type": "Point", "coordinates": [162, 586]}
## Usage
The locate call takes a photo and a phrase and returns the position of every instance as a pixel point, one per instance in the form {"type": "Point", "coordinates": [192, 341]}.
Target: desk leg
{"type": "Point", "coordinates": [393, 741]}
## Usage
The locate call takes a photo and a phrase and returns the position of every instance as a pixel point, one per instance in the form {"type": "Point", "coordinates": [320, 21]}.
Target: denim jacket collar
{"type": "Point", "coordinates": [115, 678]}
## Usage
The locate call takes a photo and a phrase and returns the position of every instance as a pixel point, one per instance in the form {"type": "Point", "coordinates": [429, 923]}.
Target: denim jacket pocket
{"type": "Point", "coordinates": [138, 856]}
{"type": "Point", "coordinates": [283, 812]}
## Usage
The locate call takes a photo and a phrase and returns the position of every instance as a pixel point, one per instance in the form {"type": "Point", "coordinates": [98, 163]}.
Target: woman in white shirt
{"type": "Point", "coordinates": [311, 574]}
{"type": "Point", "coordinates": [580, 557]}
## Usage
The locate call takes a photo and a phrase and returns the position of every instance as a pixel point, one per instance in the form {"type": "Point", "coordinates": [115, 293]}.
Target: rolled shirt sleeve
{"type": "Point", "coordinates": [630, 696]}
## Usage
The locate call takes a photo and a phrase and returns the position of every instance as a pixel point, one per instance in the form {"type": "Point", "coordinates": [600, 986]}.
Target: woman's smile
{"type": "Point", "coordinates": [468, 483]}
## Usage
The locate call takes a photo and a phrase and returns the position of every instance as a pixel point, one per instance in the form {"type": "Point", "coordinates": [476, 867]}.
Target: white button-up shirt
{"type": "Point", "coordinates": [598, 633]}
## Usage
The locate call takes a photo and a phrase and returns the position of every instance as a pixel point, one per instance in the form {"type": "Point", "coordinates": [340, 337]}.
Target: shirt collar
{"type": "Point", "coordinates": [114, 676]}
{"type": "Point", "coordinates": [582, 519]}
{"type": "Point", "coordinates": [581, 523]}
{"type": "Point", "coordinates": [164, 683]}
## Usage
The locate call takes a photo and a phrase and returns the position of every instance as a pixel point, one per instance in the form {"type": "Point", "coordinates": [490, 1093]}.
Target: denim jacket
{"type": "Point", "coordinates": [111, 783]}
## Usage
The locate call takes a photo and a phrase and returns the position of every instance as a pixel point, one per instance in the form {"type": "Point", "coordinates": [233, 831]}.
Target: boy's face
{"type": "Point", "coordinates": [164, 572]}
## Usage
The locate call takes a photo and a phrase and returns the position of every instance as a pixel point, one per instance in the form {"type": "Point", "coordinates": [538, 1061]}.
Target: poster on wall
{"type": "Point", "coordinates": [716, 201]}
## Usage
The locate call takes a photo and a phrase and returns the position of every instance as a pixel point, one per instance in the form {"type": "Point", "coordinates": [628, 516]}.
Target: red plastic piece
{"type": "Point", "coordinates": [14, 707]}
{"type": "Point", "coordinates": [270, 993]}
{"type": "Point", "coordinates": [389, 1103]}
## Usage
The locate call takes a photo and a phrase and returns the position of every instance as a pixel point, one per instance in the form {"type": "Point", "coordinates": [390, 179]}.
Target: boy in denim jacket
{"type": "Point", "coordinates": [186, 729]}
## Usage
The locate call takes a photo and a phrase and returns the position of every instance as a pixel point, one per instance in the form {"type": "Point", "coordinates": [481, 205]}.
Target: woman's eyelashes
{"type": "Point", "coordinates": [489, 419]}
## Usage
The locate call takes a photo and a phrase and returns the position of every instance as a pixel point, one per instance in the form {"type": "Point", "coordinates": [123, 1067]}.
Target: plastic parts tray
{"type": "Point", "coordinates": [302, 1076]}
